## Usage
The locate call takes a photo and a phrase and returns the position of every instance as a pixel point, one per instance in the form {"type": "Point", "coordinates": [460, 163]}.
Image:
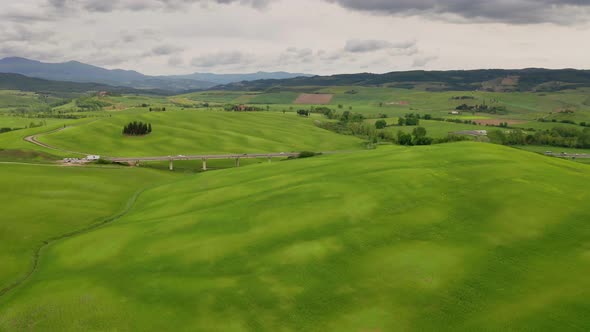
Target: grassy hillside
{"type": "Point", "coordinates": [435, 129]}
{"type": "Point", "coordinates": [196, 132]}
{"type": "Point", "coordinates": [41, 202]}
{"type": "Point", "coordinates": [457, 237]}
{"type": "Point", "coordinates": [527, 106]}
{"type": "Point", "coordinates": [14, 140]}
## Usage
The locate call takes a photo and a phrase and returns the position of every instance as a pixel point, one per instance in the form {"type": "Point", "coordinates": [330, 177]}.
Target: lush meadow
{"type": "Point", "coordinates": [40, 202]}
{"type": "Point", "coordinates": [457, 237]}
{"type": "Point", "coordinates": [200, 132]}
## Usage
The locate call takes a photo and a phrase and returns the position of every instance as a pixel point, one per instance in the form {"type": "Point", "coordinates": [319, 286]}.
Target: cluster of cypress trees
{"type": "Point", "coordinates": [137, 128]}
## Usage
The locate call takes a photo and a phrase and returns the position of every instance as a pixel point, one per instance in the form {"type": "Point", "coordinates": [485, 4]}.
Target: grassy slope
{"type": "Point", "coordinates": [436, 129]}
{"type": "Point", "coordinates": [40, 202]}
{"type": "Point", "coordinates": [18, 122]}
{"type": "Point", "coordinates": [11, 99]}
{"type": "Point", "coordinates": [195, 132]}
{"type": "Point", "coordinates": [14, 141]}
{"type": "Point", "coordinates": [366, 100]}
{"type": "Point", "coordinates": [452, 237]}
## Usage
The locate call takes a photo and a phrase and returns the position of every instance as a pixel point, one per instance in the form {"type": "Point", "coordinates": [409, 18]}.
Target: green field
{"type": "Point", "coordinates": [20, 122]}
{"type": "Point", "coordinates": [41, 202]}
{"type": "Point", "coordinates": [457, 237]}
{"type": "Point", "coordinates": [12, 100]}
{"type": "Point", "coordinates": [435, 129]}
{"type": "Point", "coordinates": [451, 237]}
{"type": "Point", "coordinates": [372, 101]}
{"type": "Point", "coordinates": [200, 132]}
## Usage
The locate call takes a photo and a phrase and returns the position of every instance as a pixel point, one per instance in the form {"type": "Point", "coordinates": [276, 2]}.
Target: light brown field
{"type": "Point", "coordinates": [314, 99]}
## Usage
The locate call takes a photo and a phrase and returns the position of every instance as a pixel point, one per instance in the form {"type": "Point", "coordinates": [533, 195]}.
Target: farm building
{"type": "Point", "coordinates": [92, 157]}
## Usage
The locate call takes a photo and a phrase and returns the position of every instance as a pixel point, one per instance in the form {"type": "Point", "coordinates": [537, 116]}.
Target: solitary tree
{"type": "Point", "coordinates": [419, 132]}
{"type": "Point", "coordinates": [403, 138]}
{"type": "Point", "coordinates": [380, 124]}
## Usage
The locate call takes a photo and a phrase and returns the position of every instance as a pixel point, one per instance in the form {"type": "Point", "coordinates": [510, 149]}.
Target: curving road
{"type": "Point", "coordinates": [33, 139]}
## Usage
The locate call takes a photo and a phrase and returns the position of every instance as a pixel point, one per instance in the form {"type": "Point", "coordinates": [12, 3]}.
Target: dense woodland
{"type": "Point", "coordinates": [137, 129]}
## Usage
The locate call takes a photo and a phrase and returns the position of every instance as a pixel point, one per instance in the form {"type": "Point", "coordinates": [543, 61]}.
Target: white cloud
{"type": "Point", "coordinates": [180, 36]}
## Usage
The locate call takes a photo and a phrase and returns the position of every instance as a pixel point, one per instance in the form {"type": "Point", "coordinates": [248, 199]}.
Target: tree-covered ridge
{"type": "Point", "coordinates": [532, 79]}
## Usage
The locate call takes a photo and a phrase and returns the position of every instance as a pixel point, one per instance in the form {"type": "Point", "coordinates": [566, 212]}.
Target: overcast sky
{"type": "Point", "coordinates": [311, 36]}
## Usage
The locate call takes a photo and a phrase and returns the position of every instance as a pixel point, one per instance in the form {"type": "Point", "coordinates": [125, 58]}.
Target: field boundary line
{"type": "Point", "coordinates": [45, 244]}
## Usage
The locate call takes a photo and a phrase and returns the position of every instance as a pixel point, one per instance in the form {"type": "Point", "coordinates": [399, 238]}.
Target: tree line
{"type": "Point", "coordinates": [241, 108]}
{"type": "Point", "coordinates": [566, 137]}
{"type": "Point", "coordinates": [137, 129]}
{"type": "Point", "coordinates": [483, 109]}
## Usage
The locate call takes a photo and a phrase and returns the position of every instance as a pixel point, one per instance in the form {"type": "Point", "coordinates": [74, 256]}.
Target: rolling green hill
{"type": "Point", "coordinates": [42, 202]}
{"type": "Point", "coordinates": [200, 132]}
{"type": "Point", "coordinates": [456, 237]}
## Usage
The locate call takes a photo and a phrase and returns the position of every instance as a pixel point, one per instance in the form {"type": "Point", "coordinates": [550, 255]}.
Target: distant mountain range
{"type": "Point", "coordinates": [497, 80]}
{"type": "Point", "coordinates": [74, 71]}
{"type": "Point", "coordinates": [9, 81]}
{"type": "Point", "coordinates": [220, 79]}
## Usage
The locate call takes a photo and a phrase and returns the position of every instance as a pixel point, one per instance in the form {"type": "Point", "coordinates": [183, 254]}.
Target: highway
{"type": "Point", "coordinates": [204, 157]}
{"type": "Point", "coordinates": [568, 155]}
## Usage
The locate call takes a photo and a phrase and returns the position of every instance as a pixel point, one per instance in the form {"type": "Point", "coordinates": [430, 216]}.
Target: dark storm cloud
{"type": "Point", "coordinates": [105, 6]}
{"type": "Point", "coordinates": [58, 4]}
{"type": "Point", "coordinates": [507, 11]}
{"type": "Point", "coordinates": [166, 50]}
{"type": "Point", "coordinates": [363, 46]}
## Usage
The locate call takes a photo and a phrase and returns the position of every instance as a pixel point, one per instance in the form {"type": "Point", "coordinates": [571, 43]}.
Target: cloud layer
{"type": "Point", "coordinates": [319, 37]}
{"type": "Point", "coordinates": [506, 11]}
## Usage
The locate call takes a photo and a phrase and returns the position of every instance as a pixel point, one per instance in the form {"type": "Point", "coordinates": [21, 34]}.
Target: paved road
{"type": "Point", "coordinates": [568, 155]}
{"type": "Point", "coordinates": [206, 157]}
{"type": "Point", "coordinates": [33, 139]}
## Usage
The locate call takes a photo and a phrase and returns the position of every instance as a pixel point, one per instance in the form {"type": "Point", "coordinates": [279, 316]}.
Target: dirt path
{"type": "Point", "coordinates": [37, 251]}
{"type": "Point", "coordinates": [33, 139]}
